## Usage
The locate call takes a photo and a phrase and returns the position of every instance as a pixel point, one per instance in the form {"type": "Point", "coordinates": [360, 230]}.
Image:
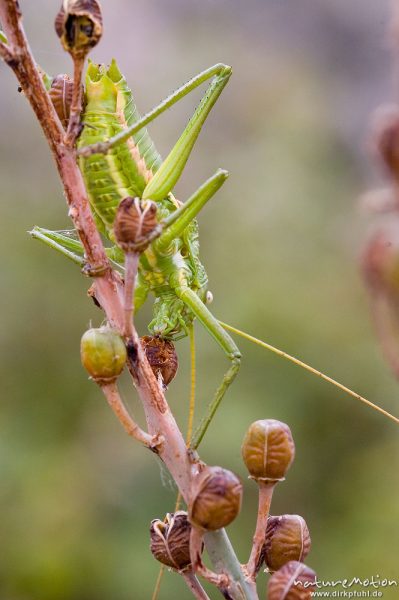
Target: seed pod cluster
{"type": "Point", "coordinates": [216, 498]}
{"type": "Point", "coordinates": [79, 26]}
{"type": "Point", "coordinates": [294, 581]}
{"type": "Point", "coordinates": [170, 540]}
{"type": "Point", "coordinates": [162, 356]}
{"type": "Point", "coordinates": [268, 450]}
{"type": "Point", "coordinates": [135, 221]}
{"type": "Point", "coordinates": [103, 354]}
{"type": "Point", "coordinates": [287, 538]}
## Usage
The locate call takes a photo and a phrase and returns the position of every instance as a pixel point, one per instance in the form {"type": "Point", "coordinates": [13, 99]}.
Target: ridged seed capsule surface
{"type": "Point", "coordinates": [268, 450]}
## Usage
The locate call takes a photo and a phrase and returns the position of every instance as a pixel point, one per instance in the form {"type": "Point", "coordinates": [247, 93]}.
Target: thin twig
{"type": "Point", "coordinates": [220, 580]}
{"type": "Point", "coordinates": [6, 54]}
{"type": "Point", "coordinates": [194, 585]}
{"type": "Point", "coordinates": [131, 266]}
{"type": "Point", "coordinates": [265, 497]}
{"type": "Point", "coordinates": [130, 426]}
{"type": "Point", "coordinates": [155, 593]}
{"type": "Point", "coordinates": [76, 105]}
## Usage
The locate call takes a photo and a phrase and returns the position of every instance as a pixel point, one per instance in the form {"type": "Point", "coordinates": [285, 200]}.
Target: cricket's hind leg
{"type": "Point", "coordinates": [170, 170]}
{"type": "Point", "coordinates": [175, 224]}
{"type": "Point", "coordinates": [227, 344]}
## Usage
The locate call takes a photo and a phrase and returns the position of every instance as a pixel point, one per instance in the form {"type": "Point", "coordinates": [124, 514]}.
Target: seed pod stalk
{"type": "Point", "coordinates": [112, 395]}
{"type": "Point", "coordinates": [266, 489]}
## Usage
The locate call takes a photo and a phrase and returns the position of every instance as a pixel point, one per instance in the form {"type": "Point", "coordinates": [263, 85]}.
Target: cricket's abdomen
{"type": "Point", "coordinates": [106, 177]}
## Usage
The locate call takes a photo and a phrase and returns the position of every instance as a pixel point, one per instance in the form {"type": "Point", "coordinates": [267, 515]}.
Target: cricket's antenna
{"type": "Point", "coordinates": [307, 367]}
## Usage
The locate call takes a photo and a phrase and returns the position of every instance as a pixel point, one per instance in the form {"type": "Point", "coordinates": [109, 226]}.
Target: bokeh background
{"type": "Point", "coordinates": [281, 244]}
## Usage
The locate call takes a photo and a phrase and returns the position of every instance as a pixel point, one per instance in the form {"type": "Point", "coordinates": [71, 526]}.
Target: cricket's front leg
{"type": "Point", "coordinates": [227, 344]}
{"type": "Point", "coordinates": [174, 225]}
{"type": "Point", "coordinates": [65, 243]}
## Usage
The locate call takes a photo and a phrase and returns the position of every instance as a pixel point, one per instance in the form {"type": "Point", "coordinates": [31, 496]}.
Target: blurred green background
{"type": "Point", "coordinates": [281, 244]}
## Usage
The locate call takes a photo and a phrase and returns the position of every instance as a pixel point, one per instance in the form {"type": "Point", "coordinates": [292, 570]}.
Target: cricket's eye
{"type": "Point", "coordinates": [208, 297]}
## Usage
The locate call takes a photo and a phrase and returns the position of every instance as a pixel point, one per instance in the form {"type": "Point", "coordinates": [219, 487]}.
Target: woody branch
{"type": "Point", "coordinates": [108, 285]}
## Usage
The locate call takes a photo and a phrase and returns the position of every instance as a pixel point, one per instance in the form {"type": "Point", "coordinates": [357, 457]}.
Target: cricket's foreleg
{"type": "Point", "coordinates": [212, 325]}
{"type": "Point", "coordinates": [175, 224]}
{"type": "Point", "coordinates": [71, 247]}
{"type": "Point", "coordinates": [171, 168]}
{"type": "Point", "coordinates": [67, 246]}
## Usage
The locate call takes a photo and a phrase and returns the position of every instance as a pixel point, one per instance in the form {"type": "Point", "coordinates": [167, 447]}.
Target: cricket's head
{"type": "Point", "coordinates": [102, 86]}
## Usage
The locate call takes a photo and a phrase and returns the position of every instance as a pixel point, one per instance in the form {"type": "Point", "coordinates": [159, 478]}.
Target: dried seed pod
{"type": "Point", "coordinates": [60, 92]}
{"type": "Point", "coordinates": [162, 356]}
{"type": "Point", "coordinates": [386, 137]}
{"type": "Point", "coordinates": [268, 450]}
{"type": "Point", "coordinates": [79, 26]}
{"type": "Point", "coordinates": [287, 538]}
{"type": "Point", "coordinates": [380, 260]}
{"type": "Point", "coordinates": [135, 221]}
{"type": "Point", "coordinates": [103, 354]}
{"type": "Point", "coordinates": [216, 498]}
{"type": "Point", "coordinates": [294, 581]}
{"type": "Point", "coordinates": [170, 540]}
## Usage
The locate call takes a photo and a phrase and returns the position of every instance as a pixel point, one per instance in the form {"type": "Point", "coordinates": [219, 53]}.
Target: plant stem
{"type": "Point", "coordinates": [111, 393]}
{"type": "Point", "coordinates": [194, 585]}
{"type": "Point", "coordinates": [223, 558]}
{"type": "Point", "coordinates": [76, 106]}
{"type": "Point", "coordinates": [131, 265]}
{"type": "Point", "coordinates": [108, 287]}
{"type": "Point", "coordinates": [266, 490]}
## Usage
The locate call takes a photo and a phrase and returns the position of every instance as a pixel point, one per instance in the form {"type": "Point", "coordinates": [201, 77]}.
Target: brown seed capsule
{"type": "Point", "coordinates": [170, 540]}
{"type": "Point", "coordinates": [79, 26]}
{"type": "Point", "coordinates": [294, 581]}
{"type": "Point", "coordinates": [162, 356]}
{"type": "Point", "coordinates": [61, 91]}
{"type": "Point", "coordinates": [268, 450]}
{"type": "Point", "coordinates": [135, 221]}
{"type": "Point", "coordinates": [216, 498]}
{"type": "Point", "coordinates": [386, 135]}
{"type": "Point", "coordinates": [287, 538]}
{"type": "Point", "coordinates": [103, 354]}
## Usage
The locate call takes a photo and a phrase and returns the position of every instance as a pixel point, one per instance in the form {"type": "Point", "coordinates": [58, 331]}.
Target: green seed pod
{"type": "Point", "coordinates": [103, 354]}
{"type": "Point", "coordinates": [294, 581]}
{"type": "Point", "coordinates": [170, 540]}
{"type": "Point", "coordinates": [268, 450]}
{"type": "Point", "coordinates": [216, 498]}
{"type": "Point", "coordinates": [135, 221]}
{"type": "Point", "coordinates": [287, 538]}
{"type": "Point", "coordinates": [162, 356]}
{"type": "Point", "coordinates": [79, 26]}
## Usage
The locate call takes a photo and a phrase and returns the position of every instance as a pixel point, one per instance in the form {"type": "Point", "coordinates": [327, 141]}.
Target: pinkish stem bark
{"type": "Point", "coordinates": [108, 287]}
